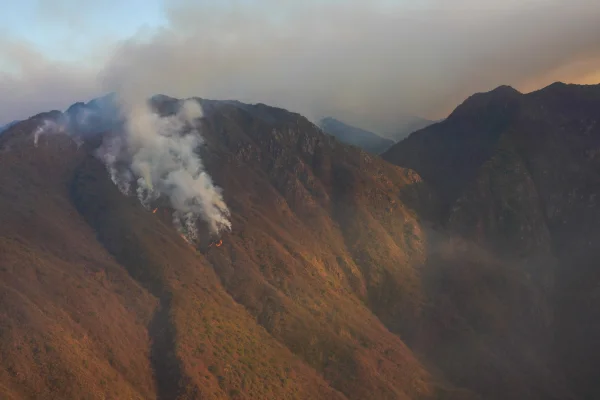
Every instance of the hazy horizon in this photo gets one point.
(370, 64)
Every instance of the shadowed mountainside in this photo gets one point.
(519, 174)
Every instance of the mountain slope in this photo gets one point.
(103, 308)
(366, 140)
(102, 298)
(518, 173)
(72, 320)
(448, 153)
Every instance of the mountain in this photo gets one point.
(101, 298)
(407, 126)
(366, 140)
(448, 154)
(518, 174)
(465, 271)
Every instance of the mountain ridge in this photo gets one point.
(366, 140)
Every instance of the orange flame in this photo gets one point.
(216, 244)
(154, 211)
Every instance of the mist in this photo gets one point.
(366, 63)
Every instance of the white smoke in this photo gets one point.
(155, 154)
(159, 155)
(47, 127)
(110, 153)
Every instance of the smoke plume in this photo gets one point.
(48, 127)
(154, 155)
(158, 156)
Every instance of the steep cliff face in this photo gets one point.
(525, 187)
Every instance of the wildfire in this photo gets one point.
(184, 238)
(216, 244)
(154, 211)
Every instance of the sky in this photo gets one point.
(368, 62)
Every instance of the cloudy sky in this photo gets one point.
(369, 62)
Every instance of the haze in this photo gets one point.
(369, 63)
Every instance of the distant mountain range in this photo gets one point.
(354, 136)
(370, 141)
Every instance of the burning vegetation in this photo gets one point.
(216, 243)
